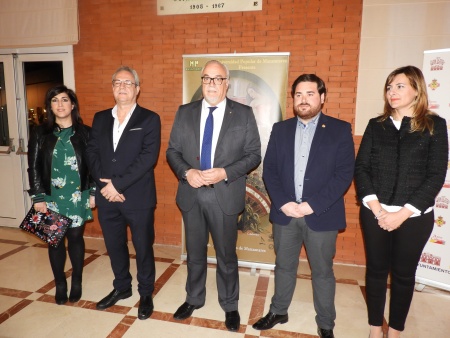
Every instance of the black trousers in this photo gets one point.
(113, 221)
(397, 252)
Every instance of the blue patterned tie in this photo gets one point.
(205, 158)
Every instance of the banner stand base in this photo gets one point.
(422, 282)
(419, 287)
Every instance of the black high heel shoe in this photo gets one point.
(75, 293)
(61, 293)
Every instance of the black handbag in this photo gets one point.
(51, 227)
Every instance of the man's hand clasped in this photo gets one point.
(296, 210)
(199, 178)
(110, 193)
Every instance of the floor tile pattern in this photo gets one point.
(27, 307)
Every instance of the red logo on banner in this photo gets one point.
(437, 240)
(437, 64)
(430, 259)
(442, 202)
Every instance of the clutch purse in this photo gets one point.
(50, 227)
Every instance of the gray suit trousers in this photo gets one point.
(206, 217)
(320, 248)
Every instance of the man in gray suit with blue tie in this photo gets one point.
(213, 145)
(307, 169)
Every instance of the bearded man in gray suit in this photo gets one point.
(213, 145)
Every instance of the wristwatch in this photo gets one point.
(184, 177)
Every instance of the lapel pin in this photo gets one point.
(323, 126)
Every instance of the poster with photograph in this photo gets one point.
(260, 81)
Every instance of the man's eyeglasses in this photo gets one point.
(126, 83)
(215, 80)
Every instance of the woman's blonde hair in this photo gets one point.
(420, 120)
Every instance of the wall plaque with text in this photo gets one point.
(170, 7)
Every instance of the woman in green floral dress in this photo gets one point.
(59, 180)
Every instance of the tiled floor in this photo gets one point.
(27, 307)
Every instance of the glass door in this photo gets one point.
(11, 166)
(25, 77)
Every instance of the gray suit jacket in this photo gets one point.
(238, 151)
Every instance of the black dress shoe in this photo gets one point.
(75, 293)
(324, 333)
(113, 298)
(61, 293)
(270, 320)
(185, 311)
(145, 307)
(232, 320)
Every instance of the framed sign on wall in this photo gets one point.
(171, 7)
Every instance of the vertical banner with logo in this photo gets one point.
(258, 80)
(434, 265)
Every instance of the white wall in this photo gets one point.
(395, 33)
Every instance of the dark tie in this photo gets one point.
(205, 159)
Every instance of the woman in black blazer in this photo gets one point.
(400, 168)
(59, 180)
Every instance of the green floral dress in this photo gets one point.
(66, 197)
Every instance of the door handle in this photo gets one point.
(20, 149)
(10, 148)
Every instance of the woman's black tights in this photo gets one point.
(57, 256)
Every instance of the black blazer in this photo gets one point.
(40, 154)
(131, 166)
(401, 167)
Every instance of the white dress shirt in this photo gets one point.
(119, 128)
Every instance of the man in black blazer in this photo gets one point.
(307, 169)
(122, 151)
(211, 189)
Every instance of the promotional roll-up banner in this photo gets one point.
(434, 265)
(258, 80)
